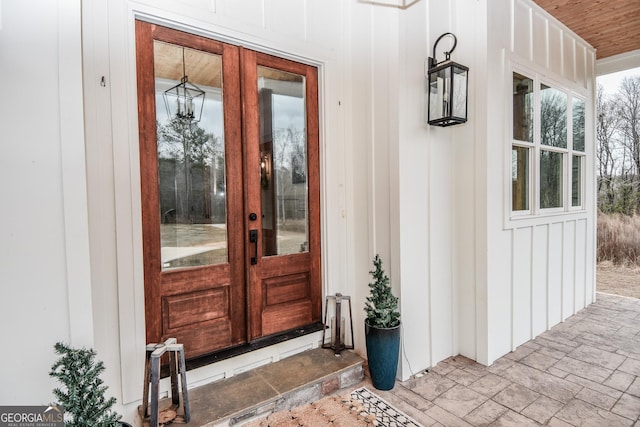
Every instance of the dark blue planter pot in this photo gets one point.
(383, 348)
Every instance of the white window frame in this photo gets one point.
(535, 148)
(582, 154)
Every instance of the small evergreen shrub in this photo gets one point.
(381, 305)
(83, 393)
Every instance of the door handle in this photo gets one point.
(253, 238)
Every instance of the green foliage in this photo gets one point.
(619, 195)
(83, 392)
(381, 306)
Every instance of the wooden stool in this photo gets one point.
(152, 375)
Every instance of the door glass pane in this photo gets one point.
(578, 124)
(191, 163)
(519, 178)
(283, 162)
(522, 108)
(550, 179)
(553, 117)
(576, 181)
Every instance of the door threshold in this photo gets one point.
(199, 362)
(300, 379)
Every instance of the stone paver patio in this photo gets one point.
(583, 372)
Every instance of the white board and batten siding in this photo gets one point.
(542, 268)
(309, 31)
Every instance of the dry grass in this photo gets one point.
(618, 279)
(619, 239)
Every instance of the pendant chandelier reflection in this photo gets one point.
(185, 100)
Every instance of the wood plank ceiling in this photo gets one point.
(611, 26)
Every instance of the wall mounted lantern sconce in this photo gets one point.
(184, 100)
(448, 88)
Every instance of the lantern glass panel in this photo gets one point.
(439, 84)
(448, 94)
(459, 92)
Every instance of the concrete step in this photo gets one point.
(283, 385)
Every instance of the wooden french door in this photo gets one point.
(230, 191)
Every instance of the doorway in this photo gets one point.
(229, 160)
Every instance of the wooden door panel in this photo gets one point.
(204, 339)
(284, 290)
(202, 306)
(284, 317)
(186, 309)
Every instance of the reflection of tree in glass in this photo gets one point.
(553, 117)
(551, 176)
(522, 108)
(290, 163)
(578, 125)
(298, 164)
(187, 156)
(553, 133)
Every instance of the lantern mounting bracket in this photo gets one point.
(447, 54)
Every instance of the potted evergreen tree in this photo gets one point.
(382, 329)
(83, 393)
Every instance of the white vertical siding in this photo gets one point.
(521, 29)
(581, 265)
(319, 14)
(278, 14)
(521, 284)
(468, 157)
(541, 40)
(550, 258)
(539, 279)
(250, 12)
(440, 248)
(568, 270)
(568, 56)
(581, 65)
(550, 270)
(43, 222)
(440, 193)
(554, 277)
(555, 49)
(410, 245)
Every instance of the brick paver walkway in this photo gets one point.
(583, 372)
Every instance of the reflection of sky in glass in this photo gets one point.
(290, 112)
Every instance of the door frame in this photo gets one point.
(314, 216)
(259, 276)
(199, 282)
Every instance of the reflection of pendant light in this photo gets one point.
(185, 100)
